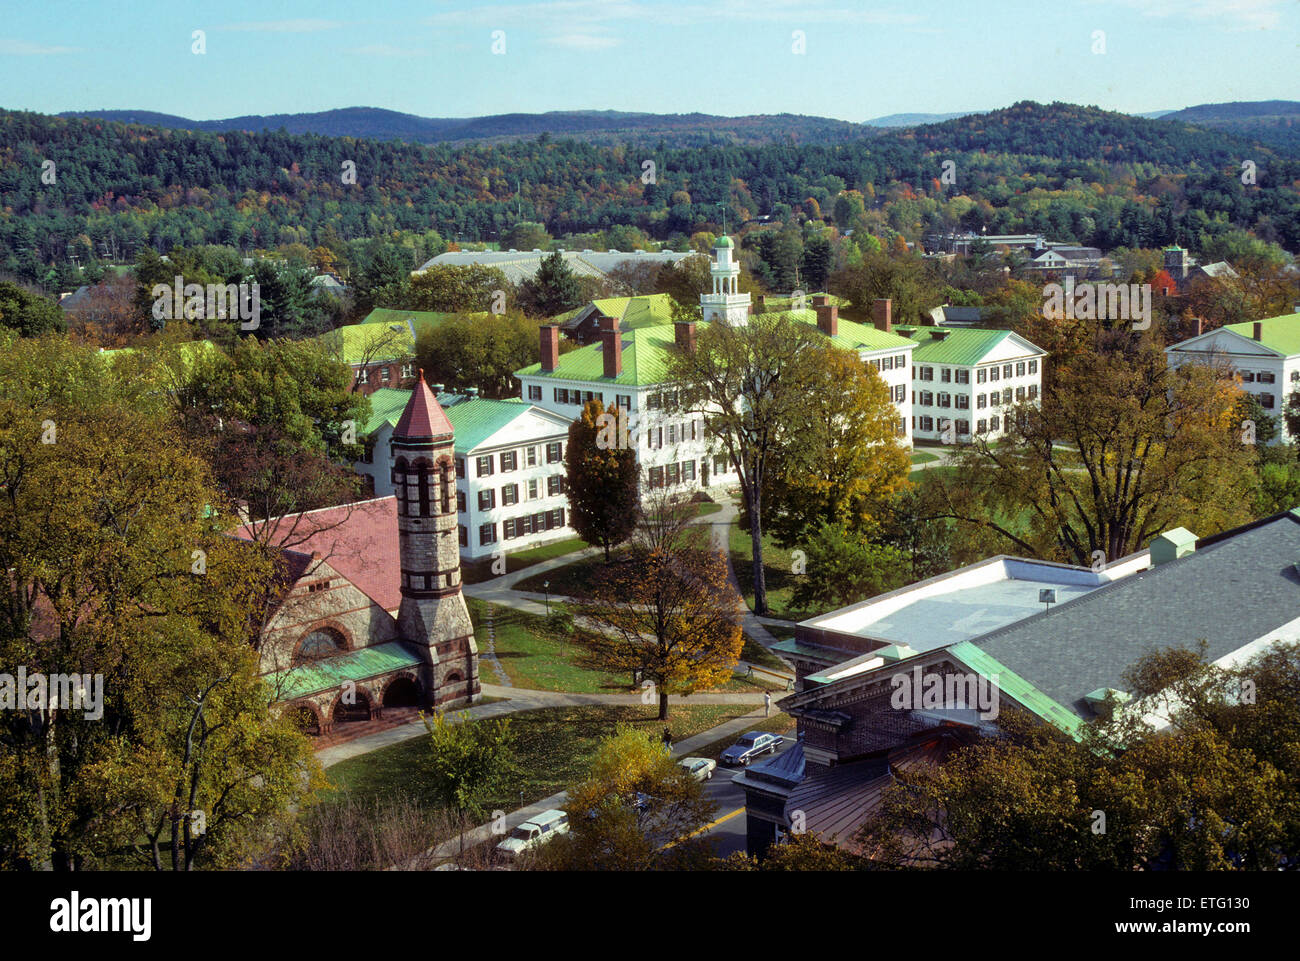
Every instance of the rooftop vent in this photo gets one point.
(1172, 545)
(471, 391)
(1099, 699)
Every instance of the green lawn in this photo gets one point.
(475, 572)
(535, 656)
(756, 653)
(553, 747)
(778, 563)
(921, 457)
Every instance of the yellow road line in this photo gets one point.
(708, 827)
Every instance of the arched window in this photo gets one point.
(323, 642)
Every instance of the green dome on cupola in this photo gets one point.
(723, 241)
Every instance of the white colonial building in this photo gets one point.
(1264, 355)
(510, 477)
(966, 381)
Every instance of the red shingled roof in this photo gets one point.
(424, 416)
(357, 540)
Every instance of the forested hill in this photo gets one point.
(1075, 173)
(1274, 122)
(595, 126)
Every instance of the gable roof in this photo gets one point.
(645, 360)
(1280, 334)
(371, 342)
(961, 346)
(473, 419)
(358, 540)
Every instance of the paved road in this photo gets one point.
(728, 828)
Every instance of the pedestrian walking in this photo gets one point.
(767, 703)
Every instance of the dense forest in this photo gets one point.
(81, 192)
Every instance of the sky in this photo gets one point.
(848, 59)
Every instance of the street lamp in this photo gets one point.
(546, 586)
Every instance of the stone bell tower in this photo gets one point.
(433, 617)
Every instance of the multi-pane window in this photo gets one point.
(672, 433)
(1020, 393)
(463, 533)
(1033, 391)
(408, 370)
(927, 373)
(487, 499)
(533, 489)
(554, 453)
(1266, 377)
(1033, 366)
(386, 375)
(993, 373)
(927, 423)
(555, 484)
(674, 474)
(509, 461)
(1006, 396)
(963, 427)
(487, 534)
(688, 470)
(945, 375)
(981, 375)
(900, 361)
(963, 402)
(460, 467)
(719, 464)
(530, 456)
(945, 400)
(483, 465)
(963, 376)
(1006, 371)
(510, 494)
(995, 422)
(1020, 368)
(1266, 401)
(982, 426)
(534, 392)
(460, 501)
(898, 393)
(655, 401)
(656, 477)
(625, 401)
(981, 401)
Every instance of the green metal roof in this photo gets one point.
(1280, 334)
(386, 406)
(640, 311)
(422, 320)
(724, 241)
(331, 672)
(961, 346)
(1017, 688)
(371, 343)
(474, 420)
(852, 335)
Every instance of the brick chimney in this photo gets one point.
(821, 300)
(1258, 333)
(828, 319)
(684, 334)
(881, 314)
(611, 345)
(550, 347)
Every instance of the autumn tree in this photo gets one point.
(668, 612)
(460, 289)
(633, 811)
(482, 352)
(1122, 448)
(604, 480)
(469, 763)
(750, 385)
(118, 569)
(845, 458)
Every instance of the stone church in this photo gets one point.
(371, 614)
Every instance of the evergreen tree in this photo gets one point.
(553, 291)
(603, 478)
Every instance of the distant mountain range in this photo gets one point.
(1273, 122)
(599, 126)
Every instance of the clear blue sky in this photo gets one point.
(434, 58)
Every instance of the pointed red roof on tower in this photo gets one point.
(423, 416)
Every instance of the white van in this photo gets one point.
(534, 832)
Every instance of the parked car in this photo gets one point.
(751, 745)
(700, 768)
(533, 833)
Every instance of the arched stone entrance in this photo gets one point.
(358, 710)
(402, 692)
